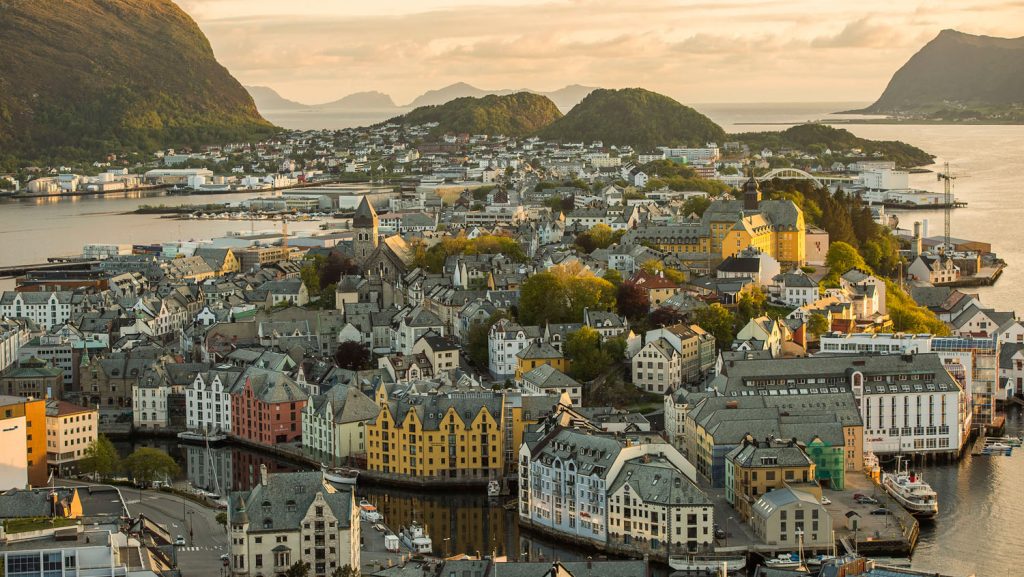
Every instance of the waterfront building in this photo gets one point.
(23, 437)
(789, 517)
(70, 430)
(266, 407)
(575, 482)
(13, 335)
(972, 361)
(289, 518)
(45, 309)
(756, 467)
(208, 401)
(32, 377)
(334, 423)
(109, 381)
(437, 437)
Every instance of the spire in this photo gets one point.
(365, 216)
(84, 362)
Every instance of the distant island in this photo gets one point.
(957, 78)
(519, 114)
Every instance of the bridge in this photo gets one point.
(789, 174)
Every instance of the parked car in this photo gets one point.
(826, 501)
(719, 533)
(225, 559)
(179, 540)
(867, 501)
(858, 496)
(881, 511)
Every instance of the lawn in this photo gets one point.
(36, 523)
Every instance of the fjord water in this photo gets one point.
(980, 497)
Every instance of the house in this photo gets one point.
(797, 289)
(606, 323)
(789, 517)
(33, 377)
(405, 368)
(539, 353)
(45, 309)
(443, 353)
(547, 380)
(756, 467)
(935, 270)
(411, 323)
(762, 333)
(657, 367)
(293, 517)
(750, 263)
(334, 423)
(221, 260)
(658, 288)
(208, 401)
(266, 407)
(980, 322)
(694, 347)
(504, 341)
(287, 292)
(70, 430)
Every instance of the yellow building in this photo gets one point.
(437, 437)
(33, 411)
(757, 467)
(776, 227)
(70, 430)
(537, 354)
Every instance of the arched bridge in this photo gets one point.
(789, 174)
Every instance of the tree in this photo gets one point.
(633, 301)
(146, 465)
(560, 294)
(817, 325)
(751, 304)
(476, 340)
(100, 459)
(588, 358)
(352, 355)
(718, 321)
(310, 274)
(298, 569)
(336, 266)
(345, 571)
(222, 518)
(665, 316)
(599, 236)
(696, 205)
(841, 257)
(329, 296)
(613, 276)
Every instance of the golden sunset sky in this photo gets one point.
(693, 50)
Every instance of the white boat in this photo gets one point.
(910, 491)
(493, 489)
(415, 538)
(341, 475)
(815, 563)
(785, 561)
(198, 437)
(368, 512)
(708, 564)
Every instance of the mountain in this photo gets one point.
(957, 71)
(819, 137)
(80, 77)
(267, 98)
(516, 114)
(564, 98)
(361, 100)
(634, 117)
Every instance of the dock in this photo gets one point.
(53, 264)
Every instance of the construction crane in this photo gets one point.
(947, 177)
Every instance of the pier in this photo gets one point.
(53, 264)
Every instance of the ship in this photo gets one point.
(709, 564)
(910, 491)
(368, 512)
(340, 475)
(415, 538)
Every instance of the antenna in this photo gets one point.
(947, 177)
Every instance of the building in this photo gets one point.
(672, 356)
(208, 401)
(437, 437)
(443, 353)
(77, 550)
(789, 517)
(45, 309)
(266, 407)
(13, 335)
(756, 467)
(290, 518)
(33, 377)
(504, 341)
(70, 430)
(334, 423)
(23, 437)
(537, 354)
(547, 380)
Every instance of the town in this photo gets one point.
(659, 356)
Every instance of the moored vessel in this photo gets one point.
(910, 491)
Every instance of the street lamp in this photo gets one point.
(446, 552)
(727, 523)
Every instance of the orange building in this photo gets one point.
(34, 412)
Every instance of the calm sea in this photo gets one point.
(980, 497)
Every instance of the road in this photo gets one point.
(205, 539)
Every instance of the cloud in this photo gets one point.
(862, 33)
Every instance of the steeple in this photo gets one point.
(751, 192)
(365, 225)
(365, 216)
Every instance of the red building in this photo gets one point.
(266, 407)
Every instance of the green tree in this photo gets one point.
(100, 459)
(613, 276)
(696, 205)
(751, 304)
(476, 340)
(310, 274)
(817, 325)
(599, 236)
(588, 359)
(345, 571)
(560, 294)
(841, 257)
(298, 569)
(718, 321)
(222, 518)
(146, 465)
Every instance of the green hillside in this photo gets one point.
(634, 117)
(516, 114)
(86, 77)
(816, 138)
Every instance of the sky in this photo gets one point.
(696, 51)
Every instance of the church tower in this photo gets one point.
(365, 224)
(751, 194)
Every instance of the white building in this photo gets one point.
(289, 518)
(13, 335)
(504, 341)
(46, 309)
(208, 402)
(334, 423)
(788, 517)
(657, 367)
(149, 405)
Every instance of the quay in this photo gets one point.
(53, 264)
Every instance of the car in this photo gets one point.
(858, 496)
(719, 533)
(881, 511)
(826, 501)
(867, 501)
(179, 540)
(225, 559)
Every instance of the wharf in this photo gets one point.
(892, 535)
(986, 276)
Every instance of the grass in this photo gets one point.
(26, 524)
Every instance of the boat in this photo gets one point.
(815, 563)
(415, 537)
(197, 437)
(493, 489)
(340, 475)
(708, 564)
(785, 561)
(997, 449)
(910, 491)
(1010, 441)
(368, 512)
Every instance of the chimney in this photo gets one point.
(916, 242)
(263, 474)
